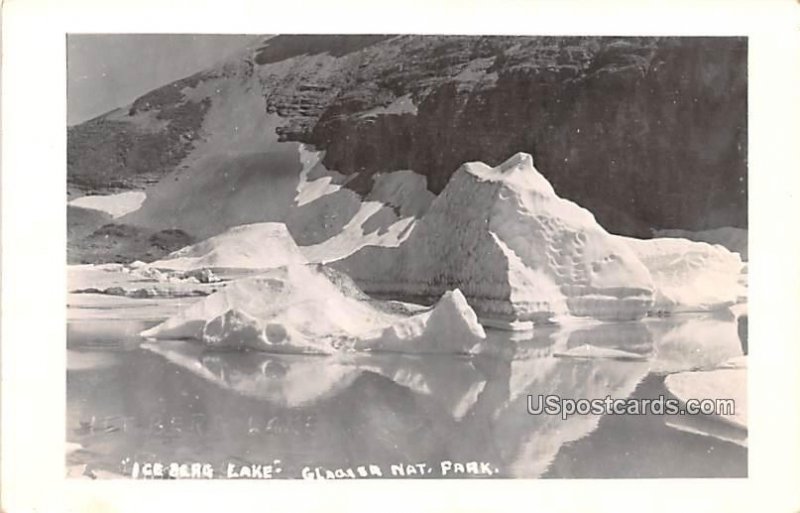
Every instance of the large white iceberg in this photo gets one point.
(517, 251)
(306, 309)
(249, 246)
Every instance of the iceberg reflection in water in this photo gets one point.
(176, 401)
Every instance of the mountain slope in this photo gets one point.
(647, 133)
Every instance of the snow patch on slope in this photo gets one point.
(385, 218)
(315, 180)
(288, 184)
(402, 105)
(115, 205)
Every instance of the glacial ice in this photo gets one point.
(451, 326)
(250, 246)
(306, 309)
(723, 383)
(691, 276)
(590, 351)
(734, 239)
(517, 251)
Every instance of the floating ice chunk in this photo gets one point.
(718, 384)
(305, 309)
(590, 351)
(451, 326)
(250, 246)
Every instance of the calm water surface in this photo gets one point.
(173, 401)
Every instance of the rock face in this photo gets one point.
(250, 246)
(81, 222)
(517, 251)
(304, 309)
(603, 115)
(119, 242)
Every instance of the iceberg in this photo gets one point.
(518, 252)
(726, 384)
(691, 276)
(249, 246)
(590, 351)
(451, 326)
(734, 239)
(310, 309)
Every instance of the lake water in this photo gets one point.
(130, 403)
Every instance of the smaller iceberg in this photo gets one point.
(311, 309)
(451, 326)
(249, 246)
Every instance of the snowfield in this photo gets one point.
(287, 185)
(115, 205)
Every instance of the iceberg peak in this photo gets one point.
(517, 172)
(520, 159)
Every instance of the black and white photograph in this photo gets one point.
(366, 256)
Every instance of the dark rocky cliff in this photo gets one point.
(644, 132)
